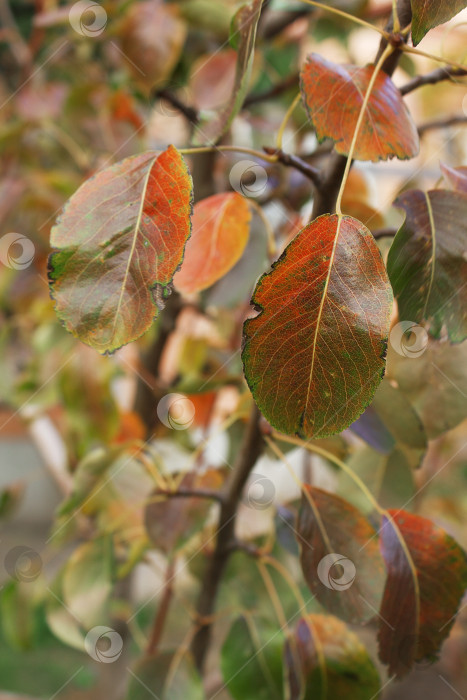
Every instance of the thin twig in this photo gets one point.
(274, 91)
(250, 450)
(159, 621)
(293, 161)
(442, 123)
(432, 78)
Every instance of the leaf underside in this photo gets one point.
(314, 356)
(120, 236)
(333, 95)
(427, 263)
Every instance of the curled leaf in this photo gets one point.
(427, 263)
(333, 95)
(427, 577)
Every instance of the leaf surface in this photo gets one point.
(251, 662)
(333, 95)
(242, 38)
(220, 228)
(165, 676)
(435, 383)
(427, 576)
(456, 177)
(427, 262)
(339, 555)
(120, 236)
(324, 660)
(427, 14)
(315, 354)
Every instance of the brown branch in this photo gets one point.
(189, 112)
(250, 450)
(191, 493)
(384, 233)
(432, 78)
(159, 620)
(274, 91)
(292, 161)
(442, 123)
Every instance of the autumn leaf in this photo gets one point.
(427, 14)
(150, 61)
(242, 39)
(427, 577)
(120, 238)
(339, 555)
(456, 177)
(314, 355)
(333, 95)
(427, 264)
(324, 660)
(220, 228)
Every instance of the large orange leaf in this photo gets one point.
(427, 14)
(120, 238)
(427, 576)
(221, 224)
(315, 354)
(339, 555)
(333, 95)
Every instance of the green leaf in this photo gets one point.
(314, 356)
(435, 383)
(251, 661)
(324, 660)
(18, 614)
(121, 239)
(87, 582)
(427, 14)
(165, 676)
(242, 38)
(399, 416)
(339, 555)
(427, 577)
(427, 264)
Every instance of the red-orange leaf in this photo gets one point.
(427, 576)
(339, 555)
(315, 354)
(221, 225)
(120, 236)
(333, 95)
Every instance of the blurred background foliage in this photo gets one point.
(76, 488)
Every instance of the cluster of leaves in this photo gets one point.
(314, 356)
